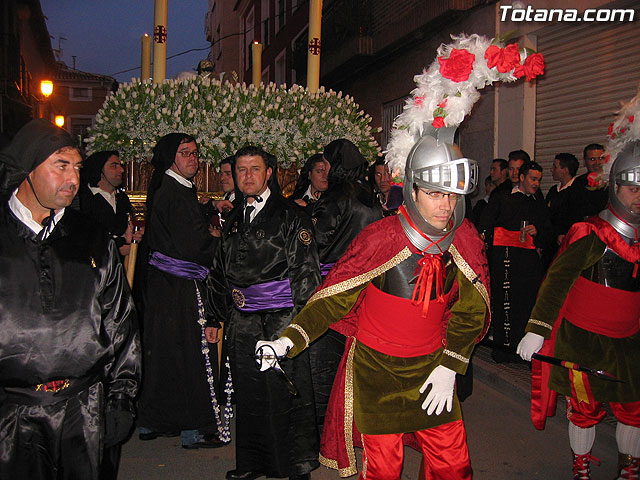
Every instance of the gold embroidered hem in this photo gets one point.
(348, 407)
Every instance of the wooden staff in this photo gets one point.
(131, 263)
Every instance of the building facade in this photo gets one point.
(26, 58)
(78, 96)
(371, 49)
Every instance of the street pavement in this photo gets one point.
(503, 443)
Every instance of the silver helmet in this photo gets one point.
(435, 162)
(625, 170)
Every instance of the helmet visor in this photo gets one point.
(457, 176)
(630, 177)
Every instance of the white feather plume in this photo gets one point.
(453, 100)
(624, 129)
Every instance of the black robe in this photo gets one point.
(275, 431)
(175, 393)
(66, 313)
(587, 201)
(97, 208)
(516, 273)
(339, 216)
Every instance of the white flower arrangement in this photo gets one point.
(292, 124)
(446, 92)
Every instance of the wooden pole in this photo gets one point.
(160, 41)
(131, 263)
(145, 57)
(256, 61)
(313, 55)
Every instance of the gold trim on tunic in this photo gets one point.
(301, 331)
(468, 272)
(455, 355)
(362, 278)
(541, 323)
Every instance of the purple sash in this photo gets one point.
(179, 268)
(263, 296)
(324, 268)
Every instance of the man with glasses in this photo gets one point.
(178, 378)
(411, 295)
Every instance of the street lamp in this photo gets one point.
(59, 120)
(46, 88)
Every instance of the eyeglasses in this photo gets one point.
(593, 159)
(187, 154)
(441, 195)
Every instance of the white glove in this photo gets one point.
(531, 343)
(442, 380)
(265, 352)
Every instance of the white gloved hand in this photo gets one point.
(442, 380)
(531, 343)
(265, 350)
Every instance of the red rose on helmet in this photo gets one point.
(458, 66)
(438, 122)
(504, 59)
(531, 68)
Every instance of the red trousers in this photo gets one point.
(444, 448)
(586, 415)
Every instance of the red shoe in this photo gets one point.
(628, 467)
(581, 469)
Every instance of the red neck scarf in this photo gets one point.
(431, 268)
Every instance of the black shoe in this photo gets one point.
(306, 476)
(240, 475)
(208, 441)
(154, 435)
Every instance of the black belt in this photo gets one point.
(47, 393)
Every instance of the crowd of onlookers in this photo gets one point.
(213, 277)
(514, 203)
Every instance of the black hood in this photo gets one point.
(164, 154)
(31, 146)
(93, 165)
(347, 163)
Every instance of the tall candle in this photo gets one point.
(145, 57)
(256, 56)
(313, 54)
(160, 41)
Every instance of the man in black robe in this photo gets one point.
(102, 199)
(345, 208)
(589, 198)
(559, 199)
(266, 270)
(516, 268)
(70, 361)
(178, 393)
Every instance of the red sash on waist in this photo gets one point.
(508, 238)
(603, 310)
(394, 326)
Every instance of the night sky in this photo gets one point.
(104, 35)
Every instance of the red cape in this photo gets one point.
(543, 399)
